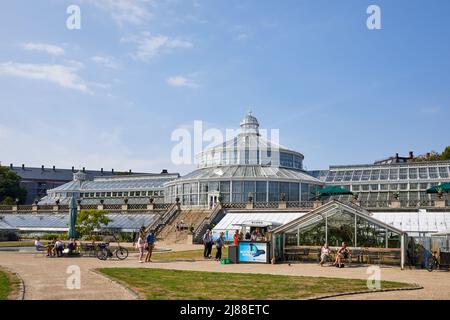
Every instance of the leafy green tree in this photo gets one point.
(10, 187)
(446, 154)
(434, 156)
(8, 201)
(90, 220)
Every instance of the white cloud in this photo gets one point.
(125, 11)
(44, 47)
(69, 148)
(149, 46)
(106, 61)
(64, 76)
(182, 81)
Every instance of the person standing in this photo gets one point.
(211, 242)
(206, 243)
(150, 246)
(219, 244)
(140, 244)
(236, 237)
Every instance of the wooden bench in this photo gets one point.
(296, 254)
(374, 257)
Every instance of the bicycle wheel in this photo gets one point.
(121, 253)
(431, 264)
(102, 254)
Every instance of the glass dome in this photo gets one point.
(246, 166)
(250, 148)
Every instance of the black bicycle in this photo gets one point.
(433, 262)
(104, 252)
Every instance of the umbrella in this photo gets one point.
(333, 190)
(444, 187)
(73, 218)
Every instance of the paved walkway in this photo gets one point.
(46, 278)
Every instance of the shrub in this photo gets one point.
(54, 236)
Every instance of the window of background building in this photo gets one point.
(403, 174)
(384, 174)
(365, 175)
(393, 186)
(357, 175)
(443, 173)
(413, 173)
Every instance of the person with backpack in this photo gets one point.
(220, 242)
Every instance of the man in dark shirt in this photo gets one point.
(150, 246)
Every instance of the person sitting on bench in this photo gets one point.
(72, 247)
(41, 247)
(325, 252)
(59, 247)
(342, 254)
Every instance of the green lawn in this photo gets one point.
(27, 243)
(185, 255)
(161, 284)
(5, 285)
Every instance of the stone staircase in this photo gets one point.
(190, 217)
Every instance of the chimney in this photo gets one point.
(84, 169)
(73, 169)
(54, 168)
(42, 167)
(411, 154)
(112, 170)
(23, 166)
(129, 171)
(101, 170)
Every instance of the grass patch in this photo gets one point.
(5, 285)
(16, 243)
(163, 284)
(185, 255)
(9, 285)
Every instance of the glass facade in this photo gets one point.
(339, 225)
(238, 191)
(380, 183)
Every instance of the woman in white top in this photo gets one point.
(324, 254)
(140, 246)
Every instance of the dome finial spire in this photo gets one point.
(249, 124)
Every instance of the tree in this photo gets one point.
(90, 220)
(10, 187)
(446, 154)
(434, 156)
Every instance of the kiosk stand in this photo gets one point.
(253, 252)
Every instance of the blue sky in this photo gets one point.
(110, 95)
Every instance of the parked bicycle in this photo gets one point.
(104, 252)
